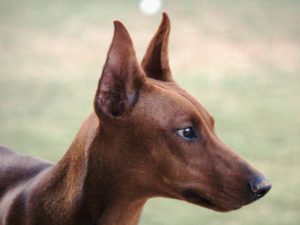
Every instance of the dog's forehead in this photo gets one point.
(169, 96)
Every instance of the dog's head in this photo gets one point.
(160, 137)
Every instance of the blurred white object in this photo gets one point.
(150, 7)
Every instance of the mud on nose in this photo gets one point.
(259, 186)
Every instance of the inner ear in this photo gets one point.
(156, 62)
(121, 78)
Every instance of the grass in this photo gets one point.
(240, 58)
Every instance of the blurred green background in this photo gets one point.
(241, 59)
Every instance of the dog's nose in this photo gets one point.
(260, 186)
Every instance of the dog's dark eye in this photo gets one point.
(187, 133)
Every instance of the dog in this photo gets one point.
(146, 137)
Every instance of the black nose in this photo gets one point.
(260, 186)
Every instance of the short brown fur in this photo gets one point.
(147, 137)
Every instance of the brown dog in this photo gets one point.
(147, 137)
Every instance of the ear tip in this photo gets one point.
(120, 29)
(118, 24)
(165, 17)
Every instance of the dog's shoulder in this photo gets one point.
(15, 167)
(7, 154)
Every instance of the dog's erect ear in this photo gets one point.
(156, 62)
(121, 77)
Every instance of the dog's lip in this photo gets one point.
(195, 197)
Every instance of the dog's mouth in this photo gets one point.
(194, 197)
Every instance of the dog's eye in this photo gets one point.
(187, 133)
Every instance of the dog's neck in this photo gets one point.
(88, 183)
